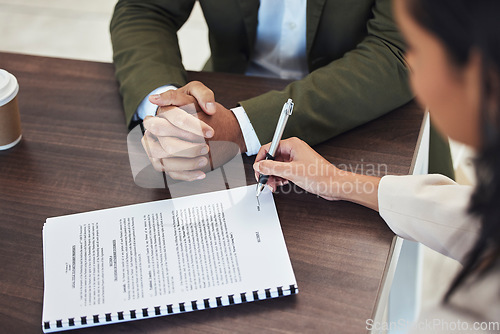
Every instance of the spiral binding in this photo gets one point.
(181, 307)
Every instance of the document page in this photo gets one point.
(163, 257)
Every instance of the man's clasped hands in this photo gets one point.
(178, 140)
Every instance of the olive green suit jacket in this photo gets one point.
(354, 51)
(354, 54)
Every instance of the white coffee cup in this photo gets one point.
(10, 120)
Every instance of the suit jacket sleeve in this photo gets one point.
(144, 37)
(430, 209)
(365, 83)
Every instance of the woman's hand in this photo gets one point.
(297, 162)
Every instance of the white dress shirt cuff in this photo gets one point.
(251, 140)
(147, 108)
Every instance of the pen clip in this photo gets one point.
(280, 127)
(288, 107)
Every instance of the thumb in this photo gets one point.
(202, 94)
(275, 168)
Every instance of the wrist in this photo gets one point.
(226, 126)
(360, 189)
(252, 142)
(239, 139)
(237, 134)
(146, 108)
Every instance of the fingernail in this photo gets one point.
(155, 96)
(256, 166)
(209, 133)
(201, 177)
(204, 150)
(202, 162)
(270, 188)
(210, 106)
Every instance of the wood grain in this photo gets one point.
(73, 158)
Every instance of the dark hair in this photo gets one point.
(464, 26)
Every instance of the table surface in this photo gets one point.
(73, 158)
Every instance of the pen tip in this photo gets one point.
(260, 187)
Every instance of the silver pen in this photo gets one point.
(280, 127)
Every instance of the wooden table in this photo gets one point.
(73, 158)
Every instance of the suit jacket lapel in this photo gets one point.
(250, 11)
(314, 10)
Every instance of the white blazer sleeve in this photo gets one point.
(430, 209)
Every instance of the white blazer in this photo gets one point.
(432, 209)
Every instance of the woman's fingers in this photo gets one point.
(285, 170)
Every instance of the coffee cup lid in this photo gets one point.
(8, 87)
